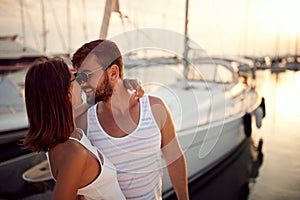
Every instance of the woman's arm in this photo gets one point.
(134, 85)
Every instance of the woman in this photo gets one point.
(77, 167)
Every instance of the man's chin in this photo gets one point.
(90, 100)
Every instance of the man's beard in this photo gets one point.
(105, 91)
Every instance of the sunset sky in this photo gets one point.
(253, 27)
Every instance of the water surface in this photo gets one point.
(273, 173)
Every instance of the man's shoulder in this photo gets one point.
(159, 110)
(155, 100)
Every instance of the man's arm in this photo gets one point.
(171, 149)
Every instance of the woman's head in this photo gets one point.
(49, 104)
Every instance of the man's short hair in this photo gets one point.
(106, 52)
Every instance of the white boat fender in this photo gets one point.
(247, 124)
(38, 173)
(263, 106)
(259, 113)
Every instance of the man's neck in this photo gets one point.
(121, 99)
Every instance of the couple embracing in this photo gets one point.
(110, 147)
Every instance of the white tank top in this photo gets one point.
(137, 156)
(106, 185)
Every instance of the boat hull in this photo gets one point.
(205, 147)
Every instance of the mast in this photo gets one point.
(297, 45)
(23, 25)
(44, 33)
(69, 25)
(84, 27)
(110, 6)
(186, 39)
(288, 44)
(277, 42)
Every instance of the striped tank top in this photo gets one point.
(136, 156)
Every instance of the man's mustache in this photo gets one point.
(87, 88)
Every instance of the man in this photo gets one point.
(131, 132)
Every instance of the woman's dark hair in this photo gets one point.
(48, 104)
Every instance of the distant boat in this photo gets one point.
(278, 64)
(14, 56)
(293, 62)
(13, 118)
(261, 63)
(14, 59)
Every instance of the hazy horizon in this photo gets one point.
(236, 27)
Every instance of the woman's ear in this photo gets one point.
(76, 94)
(70, 95)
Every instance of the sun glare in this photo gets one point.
(277, 15)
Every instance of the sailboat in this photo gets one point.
(14, 60)
(213, 107)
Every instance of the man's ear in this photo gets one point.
(114, 72)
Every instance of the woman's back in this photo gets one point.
(96, 175)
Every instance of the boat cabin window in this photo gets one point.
(11, 101)
(210, 72)
(201, 72)
(156, 75)
(223, 75)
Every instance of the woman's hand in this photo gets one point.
(134, 85)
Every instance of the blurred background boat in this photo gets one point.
(293, 62)
(14, 61)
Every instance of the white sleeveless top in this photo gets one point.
(105, 186)
(137, 156)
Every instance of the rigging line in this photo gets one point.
(23, 24)
(122, 16)
(69, 25)
(277, 40)
(297, 44)
(34, 32)
(186, 40)
(57, 26)
(142, 32)
(288, 43)
(219, 28)
(244, 34)
(84, 20)
(44, 32)
(246, 27)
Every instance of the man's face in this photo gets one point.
(94, 81)
(104, 89)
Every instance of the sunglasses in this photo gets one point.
(84, 76)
